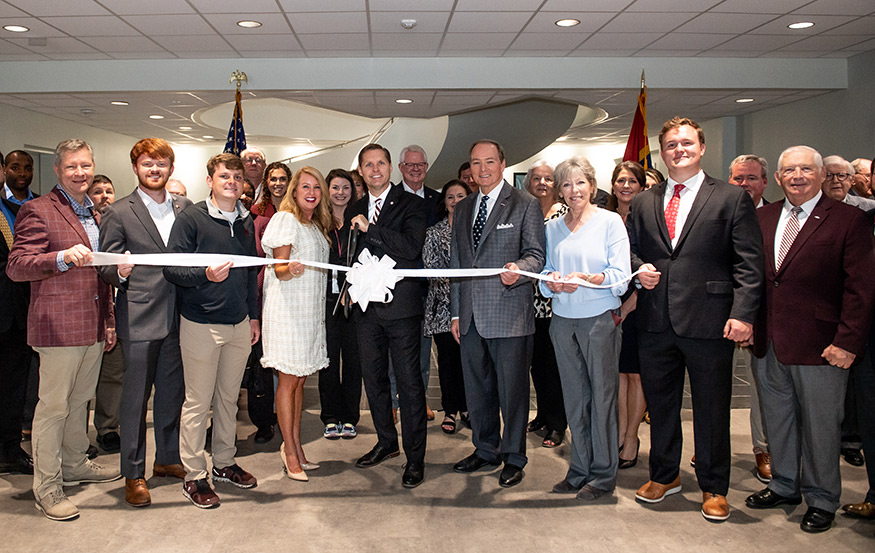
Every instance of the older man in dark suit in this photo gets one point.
(813, 325)
(493, 317)
(391, 222)
(700, 244)
(146, 319)
(69, 320)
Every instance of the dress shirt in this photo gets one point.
(372, 202)
(807, 207)
(7, 193)
(687, 197)
(162, 214)
(85, 213)
(420, 192)
(490, 203)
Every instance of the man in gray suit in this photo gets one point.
(493, 317)
(147, 322)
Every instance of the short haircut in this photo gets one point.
(745, 158)
(374, 146)
(676, 122)
(70, 146)
(230, 161)
(100, 179)
(442, 204)
(857, 164)
(566, 169)
(488, 141)
(818, 159)
(462, 168)
(527, 180)
(839, 160)
(156, 148)
(413, 148)
(13, 153)
(254, 149)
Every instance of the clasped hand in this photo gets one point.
(560, 284)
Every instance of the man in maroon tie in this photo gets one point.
(700, 245)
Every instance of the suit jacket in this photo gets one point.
(429, 204)
(400, 234)
(14, 296)
(145, 306)
(716, 271)
(823, 293)
(514, 233)
(70, 308)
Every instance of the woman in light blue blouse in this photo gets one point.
(590, 244)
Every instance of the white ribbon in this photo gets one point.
(371, 279)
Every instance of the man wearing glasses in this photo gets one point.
(840, 179)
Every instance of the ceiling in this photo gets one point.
(108, 30)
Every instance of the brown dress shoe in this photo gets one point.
(175, 471)
(136, 492)
(714, 506)
(860, 510)
(654, 492)
(764, 465)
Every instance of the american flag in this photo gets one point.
(236, 142)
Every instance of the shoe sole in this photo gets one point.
(198, 505)
(411, 486)
(510, 484)
(773, 505)
(762, 478)
(348, 436)
(487, 466)
(237, 484)
(51, 517)
(90, 481)
(715, 518)
(390, 456)
(659, 499)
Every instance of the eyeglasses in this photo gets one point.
(838, 176)
(414, 165)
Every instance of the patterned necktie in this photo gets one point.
(790, 232)
(671, 212)
(5, 230)
(377, 203)
(480, 222)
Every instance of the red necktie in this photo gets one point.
(790, 232)
(377, 203)
(671, 212)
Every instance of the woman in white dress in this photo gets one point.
(293, 317)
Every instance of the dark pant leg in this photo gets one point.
(662, 378)
(513, 357)
(351, 373)
(709, 364)
(450, 374)
(405, 337)
(481, 391)
(330, 391)
(31, 396)
(850, 423)
(169, 396)
(109, 392)
(863, 376)
(260, 395)
(545, 377)
(136, 389)
(15, 361)
(374, 355)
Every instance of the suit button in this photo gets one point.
(777, 283)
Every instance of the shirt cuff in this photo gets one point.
(62, 266)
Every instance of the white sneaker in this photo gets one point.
(56, 506)
(91, 472)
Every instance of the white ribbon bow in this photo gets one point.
(372, 280)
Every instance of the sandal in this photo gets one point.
(449, 424)
(553, 439)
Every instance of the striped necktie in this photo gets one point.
(377, 203)
(790, 232)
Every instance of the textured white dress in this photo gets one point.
(293, 316)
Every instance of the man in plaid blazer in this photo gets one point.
(70, 320)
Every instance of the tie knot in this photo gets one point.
(796, 211)
(677, 190)
(485, 198)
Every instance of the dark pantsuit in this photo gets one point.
(496, 375)
(14, 367)
(545, 377)
(340, 383)
(377, 338)
(449, 357)
(802, 410)
(155, 362)
(851, 424)
(664, 356)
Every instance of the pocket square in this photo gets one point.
(504, 225)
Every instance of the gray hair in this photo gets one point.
(818, 159)
(565, 169)
(745, 158)
(255, 149)
(857, 165)
(413, 148)
(839, 160)
(70, 146)
(528, 178)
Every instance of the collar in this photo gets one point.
(807, 207)
(692, 184)
(383, 196)
(420, 192)
(494, 194)
(147, 199)
(82, 210)
(216, 213)
(7, 193)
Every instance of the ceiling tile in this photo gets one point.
(545, 22)
(359, 53)
(583, 52)
(469, 53)
(56, 45)
(192, 43)
(591, 5)
(274, 42)
(322, 6)
(548, 41)
(827, 42)
(36, 26)
(514, 53)
(8, 11)
(506, 5)
(692, 41)
(123, 44)
(404, 6)
(66, 7)
(226, 24)
(863, 46)
(101, 25)
(633, 22)
(329, 22)
(762, 43)
(732, 23)
(336, 41)
(821, 23)
(488, 22)
(140, 55)
(65, 55)
(729, 54)
(862, 26)
(849, 7)
(10, 48)
(252, 7)
(406, 42)
(758, 6)
(426, 22)
(139, 7)
(619, 41)
(477, 41)
(672, 5)
(170, 24)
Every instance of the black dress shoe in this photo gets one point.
(92, 451)
(535, 425)
(852, 456)
(816, 520)
(473, 462)
(766, 499)
(110, 442)
(21, 463)
(510, 476)
(264, 434)
(376, 456)
(414, 474)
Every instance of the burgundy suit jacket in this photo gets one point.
(71, 308)
(823, 293)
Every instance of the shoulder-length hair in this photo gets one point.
(321, 215)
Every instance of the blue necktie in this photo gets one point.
(480, 222)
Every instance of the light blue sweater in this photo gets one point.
(601, 245)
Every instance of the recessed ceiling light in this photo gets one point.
(403, 101)
(16, 28)
(87, 111)
(567, 22)
(744, 100)
(800, 25)
(119, 103)
(185, 128)
(156, 117)
(249, 24)
(208, 136)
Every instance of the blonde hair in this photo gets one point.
(322, 217)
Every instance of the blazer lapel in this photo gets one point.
(500, 206)
(142, 213)
(769, 224)
(66, 211)
(705, 191)
(817, 217)
(659, 212)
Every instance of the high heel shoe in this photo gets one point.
(629, 463)
(299, 476)
(310, 466)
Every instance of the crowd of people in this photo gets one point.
(660, 278)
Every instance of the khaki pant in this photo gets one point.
(68, 378)
(213, 360)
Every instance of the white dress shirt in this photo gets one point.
(807, 207)
(372, 202)
(490, 203)
(162, 214)
(687, 197)
(420, 192)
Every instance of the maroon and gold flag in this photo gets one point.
(638, 146)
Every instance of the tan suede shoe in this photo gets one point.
(714, 507)
(654, 492)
